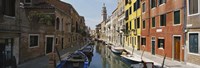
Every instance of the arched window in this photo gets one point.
(57, 23)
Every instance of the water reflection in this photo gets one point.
(104, 58)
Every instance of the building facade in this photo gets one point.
(133, 24)
(193, 29)
(33, 28)
(162, 28)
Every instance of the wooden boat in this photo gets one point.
(75, 60)
(117, 49)
(87, 50)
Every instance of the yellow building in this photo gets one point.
(133, 24)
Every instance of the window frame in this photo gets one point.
(175, 17)
(29, 40)
(164, 20)
(27, 2)
(138, 23)
(143, 24)
(142, 41)
(160, 4)
(153, 18)
(159, 46)
(153, 6)
(130, 10)
(143, 7)
(188, 12)
(198, 43)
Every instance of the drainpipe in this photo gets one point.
(185, 30)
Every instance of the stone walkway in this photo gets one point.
(158, 60)
(42, 62)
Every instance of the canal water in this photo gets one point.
(104, 58)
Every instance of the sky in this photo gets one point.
(91, 9)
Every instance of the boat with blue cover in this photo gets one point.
(75, 60)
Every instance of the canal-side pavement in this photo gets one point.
(158, 60)
(42, 62)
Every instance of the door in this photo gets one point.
(177, 45)
(153, 45)
(49, 44)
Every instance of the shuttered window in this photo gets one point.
(163, 20)
(177, 17)
(144, 24)
(138, 22)
(143, 7)
(153, 22)
(193, 43)
(193, 6)
(153, 3)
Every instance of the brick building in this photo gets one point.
(33, 28)
(162, 28)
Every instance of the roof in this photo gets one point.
(66, 7)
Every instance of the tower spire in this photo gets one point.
(104, 12)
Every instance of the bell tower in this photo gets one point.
(104, 12)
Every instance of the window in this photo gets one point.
(177, 17)
(153, 3)
(130, 25)
(153, 22)
(193, 6)
(143, 7)
(126, 26)
(193, 42)
(163, 20)
(136, 5)
(8, 7)
(27, 1)
(161, 1)
(144, 24)
(56, 40)
(126, 16)
(135, 23)
(138, 22)
(57, 24)
(33, 40)
(161, 43)
(143, 41)
(130, 10)
(126, 2)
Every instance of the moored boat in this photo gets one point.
(117, 49)
(87, 50)
(75, 60)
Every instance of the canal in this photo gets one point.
(104, 58)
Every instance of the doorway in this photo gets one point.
(177, 47)
(49, 44)
(153, 41)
